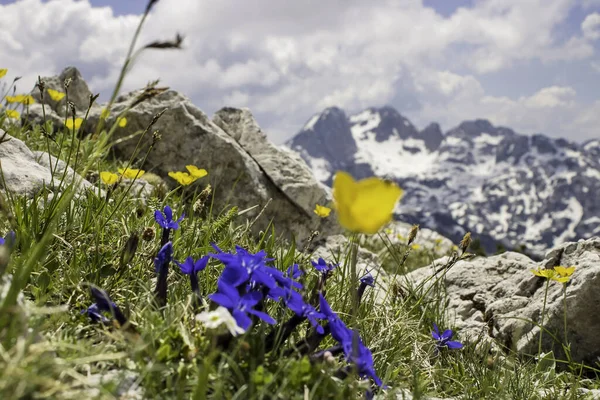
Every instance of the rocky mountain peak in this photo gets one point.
(503, 186)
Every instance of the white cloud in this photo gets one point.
(591, 26)
(287, 60)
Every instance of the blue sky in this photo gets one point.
(533, 65)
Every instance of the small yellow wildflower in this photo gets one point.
(549, 274)
(105, 113)
(415, 246)
(388, 231)
(131, 173)
(21, 98)
(12, 114)
(565, 272)
(108, 177)
(183, 178)
(56, 95)
(69, 123)
(196, 172)
(322, 211)
(3, 72)
(400, 237)
(122, 122)
(364, 206)
(454, 247)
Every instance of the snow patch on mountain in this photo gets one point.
(503, 186)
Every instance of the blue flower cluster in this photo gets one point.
(245, 287)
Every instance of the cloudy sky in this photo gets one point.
(532, 65)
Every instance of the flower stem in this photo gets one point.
(542, 317)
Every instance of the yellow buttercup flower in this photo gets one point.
(364, 206)
(322, 211)
(565, 272)
(415, 246)
(122, 122)
(12, 114)
(105, 113)
(131, 173)
(183, 178)
(56, 95)
(69, 123)
(549, 274)
(196, 172)
(108, 177)
(3, 72)
(24, 99)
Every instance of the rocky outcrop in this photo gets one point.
(243, 168)
(26, 173)
(500, 298)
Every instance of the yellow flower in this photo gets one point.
(3, 72)
(565, 271)
(12, 114)
(108, 177)
(122, 122)
(400, 237)
(131, 173)
(415, 246)
(56, 95)
(196, 172)
(105, 113)
(364, 206)
(69, 123)
(454, 247)
(21, 98)
(183, 178)
(322, 211)
(549, 274)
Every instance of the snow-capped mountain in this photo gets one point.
(502, 186)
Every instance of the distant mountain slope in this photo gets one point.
(503, 186)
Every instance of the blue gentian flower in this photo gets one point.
(161, 266)
(239, 306)
(165, 220)
(323, 267)
(95, 314)
(368, 280)
(243, 267)
(294, 272)
(191, 268)
(164, 257)
(339, 331)
(302, 309)
(104, 303)
(354, 349)
(443, 339)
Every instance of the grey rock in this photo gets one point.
(78, 92)
(498, 297)
(26, 173)
(286, 170)
(238, 178)
(23, 175)
(58, 168)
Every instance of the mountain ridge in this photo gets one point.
(503, 186)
